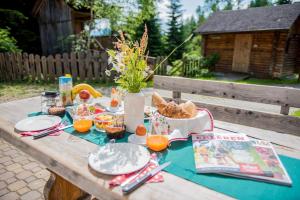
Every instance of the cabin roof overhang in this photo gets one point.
(273, 18)
(246, 31)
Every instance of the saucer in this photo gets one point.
(135, 139)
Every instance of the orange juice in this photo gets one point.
(83, 125)
(157, 142)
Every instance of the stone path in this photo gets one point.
(21, 177)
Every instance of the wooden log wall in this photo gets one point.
(222, 44)
(55, 25)
(268, 56)
(290, 58)
(261, 54)
(82, 66)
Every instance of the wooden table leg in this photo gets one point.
(57, 188)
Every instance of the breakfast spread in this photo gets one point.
(173, 110)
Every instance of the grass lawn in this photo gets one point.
(257, 81)
(296, 113)
(269, 81)
(21, 90)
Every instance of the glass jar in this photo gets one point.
(48, 99)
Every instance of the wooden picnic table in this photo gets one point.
(66, 158)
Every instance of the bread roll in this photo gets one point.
(173, 110)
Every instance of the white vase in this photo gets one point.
(134, 110)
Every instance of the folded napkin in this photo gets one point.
(31, 133)
(118, 180)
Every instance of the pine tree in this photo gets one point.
(147, 16)
(155, 43)
(281, 2)
(175, 34)
(259, 3)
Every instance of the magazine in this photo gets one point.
(237, 155)
(267, 152)
(227, 153)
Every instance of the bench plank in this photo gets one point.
(248, 92)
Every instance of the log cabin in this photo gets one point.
(57, 20)
(263, 42)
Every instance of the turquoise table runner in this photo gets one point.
(182, 157)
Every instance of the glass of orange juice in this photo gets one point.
(82, 125)
(157, 139)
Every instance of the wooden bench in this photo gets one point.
(283, 96)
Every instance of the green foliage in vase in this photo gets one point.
(130, 63)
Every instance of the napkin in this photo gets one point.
(31, 133)
(118, 180)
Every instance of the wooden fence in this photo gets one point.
(82, 66)
(191, 67)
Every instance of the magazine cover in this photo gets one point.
(270, 157)
(227, 153)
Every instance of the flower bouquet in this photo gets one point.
(129, 61)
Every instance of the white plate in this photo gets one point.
(135, 139)
(38, 123)
(119, 158)
(120, 109)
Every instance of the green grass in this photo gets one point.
(269, 81)
(256, 81)
(19, 90)
(296, 113)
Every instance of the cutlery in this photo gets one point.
(45, 133)
(155, 161)
(139, 181)
(134, 176)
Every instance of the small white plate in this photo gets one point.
(135, 139)
(119, 158)
(38, 123)
(120, 109)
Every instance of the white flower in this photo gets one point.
(145, 74)
(119, 58)
(110, 60)
(117, 67)
(107, 72)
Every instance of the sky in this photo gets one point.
(188, 6)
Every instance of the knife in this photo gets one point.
(45, 133)
(140, 181)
